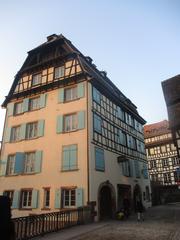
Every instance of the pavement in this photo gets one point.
(161, 223)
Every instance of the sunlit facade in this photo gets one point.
(71, 138)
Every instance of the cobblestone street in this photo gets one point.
(161, 223)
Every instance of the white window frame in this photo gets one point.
(31, 130)
(15, 134)
(26, 201)
(70, 122)
(69, 196)
(36, 79)
(59, 72)
(10, 165)
(18, 108)
(34, 103)
(29, 165)
(72, 94)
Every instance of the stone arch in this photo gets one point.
(106, 201)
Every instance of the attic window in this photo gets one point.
(52, 37)
(36, 79)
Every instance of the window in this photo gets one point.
(69, 197)
(120, 113)
(9, 194)
(26, 198)
(69, 161)
(97, 123)
(175, 161)
(36, 79)
(70, 122)
(70, 94)
(29, 165)
(99, 159)
(15, 134)
(18, 108)
(137, 169)
(154, 177)
(46, 197)
(163, 149)
(34, 103)
(10, 165)
(31, 130)
(96, 95)
(165, 162)
(126, 168)
(167, 177)
(153, 164)
(59, 72)
(151, 151)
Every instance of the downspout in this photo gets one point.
(87, 106)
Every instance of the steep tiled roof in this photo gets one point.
(156, 129)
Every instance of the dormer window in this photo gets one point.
(36, 79)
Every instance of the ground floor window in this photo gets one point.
(9, 194)
(26, 198)
(69, 197)
(46, 198)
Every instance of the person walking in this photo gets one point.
(139, 210)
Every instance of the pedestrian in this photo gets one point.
(139, 210)
(126, 207)
(6, 225)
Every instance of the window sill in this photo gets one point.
(25, 209)
(70, 170)
(100, 170)
(46, 209)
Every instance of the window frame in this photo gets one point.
(10, 165)
(73, 95)
(15, 108)
(10, 195)
(29, 163)
(34, 130)
(69, 200)
(33, 84)
(31, 106)
(28, 200)
(15, 133)
(71, 124)
(59, 76)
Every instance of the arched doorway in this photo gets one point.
(106, 199)
(137, 194)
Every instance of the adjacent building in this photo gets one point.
(71, 137)
(163, 162)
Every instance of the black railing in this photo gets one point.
(36, 225)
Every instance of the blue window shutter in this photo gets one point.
(43, 99)
(123, 169)
(59, 126)
(137, 169)
(99, 159)
(96, 95)
(81, 120)
(38, 161)
(10, 109)
(66, 158)
(16, 198)
(19, 163)
(26, 105)
(3, 165)
(61, 95)
(145, 171)
(35, 194)
(41, 128)
(57, 198)
(8, 134)
(23, 131)
(80, 90)
(73, 156)
(79, 197)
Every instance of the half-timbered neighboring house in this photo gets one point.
(71, 137)
(163, 162)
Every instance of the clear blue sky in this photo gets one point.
(136, 42)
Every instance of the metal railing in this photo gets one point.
(36, 225)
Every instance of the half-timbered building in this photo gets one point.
(71, 137)
(163, 162)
